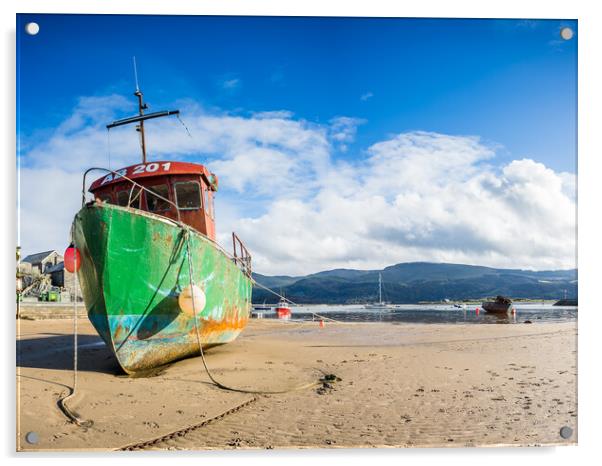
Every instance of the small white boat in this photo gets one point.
(379, 306)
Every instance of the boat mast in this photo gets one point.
(380, 291)
(141, 115)
(141, 107)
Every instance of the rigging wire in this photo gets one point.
(184, 125)
(273, 292)
(109, 145)
(292, 302)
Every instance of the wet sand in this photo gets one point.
(401, 385)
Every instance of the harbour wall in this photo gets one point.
(44, 310)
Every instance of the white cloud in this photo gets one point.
(422, 197)
(274, 114)
(231, 83)
(343, 130)
(417, 196)
(368, 95)
(409, 161)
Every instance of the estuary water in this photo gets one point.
(430, 314)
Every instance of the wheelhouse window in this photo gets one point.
(188, 195)
(155, 203)
(129, 196)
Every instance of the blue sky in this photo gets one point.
(352, 87)
(511, 82)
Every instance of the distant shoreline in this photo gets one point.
(439, 303)
(420, 282)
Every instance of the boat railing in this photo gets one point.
(134, 185)
(242, 259)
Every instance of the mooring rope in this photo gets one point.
(62, 403)
(198, 335)
(328, 318)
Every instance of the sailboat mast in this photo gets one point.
(380, 291)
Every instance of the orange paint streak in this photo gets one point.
(231, 322)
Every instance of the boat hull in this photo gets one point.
(378, 307)
(134, 266)
(497, 308)
(283, 312)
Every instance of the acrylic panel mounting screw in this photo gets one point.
(32, 28)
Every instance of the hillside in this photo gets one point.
(418, 281)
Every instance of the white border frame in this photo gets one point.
(589, 172)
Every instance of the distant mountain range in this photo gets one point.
(413, 282)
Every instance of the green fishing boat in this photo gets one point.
(156, 284)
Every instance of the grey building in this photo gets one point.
(41, 261)
(62, 278)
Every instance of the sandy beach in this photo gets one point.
(401, 385)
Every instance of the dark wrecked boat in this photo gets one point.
(501, 305)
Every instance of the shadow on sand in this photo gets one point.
(56, 352)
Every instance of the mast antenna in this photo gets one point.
(141, 107)
(135, 74)
(141, 117)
